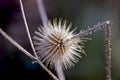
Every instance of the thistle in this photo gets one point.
(56, 45)
(52, 46)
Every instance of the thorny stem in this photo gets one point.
(95, 28)
(108, 52)
(28, 32)
(17, 45)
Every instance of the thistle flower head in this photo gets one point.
(53, 44)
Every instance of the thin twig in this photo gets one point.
(47, 70)
(27, 53)
(108, 52)
(17, 45)
(42, 12)
(27, 29)
(28, 32)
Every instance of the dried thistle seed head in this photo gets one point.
(52, 46)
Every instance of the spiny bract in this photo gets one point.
(53, 44)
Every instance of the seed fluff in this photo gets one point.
(52, 46)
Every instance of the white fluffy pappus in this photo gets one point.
(53, 44)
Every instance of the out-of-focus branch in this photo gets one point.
(60, 71)
(44, 19)
(42, 12)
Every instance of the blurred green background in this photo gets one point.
(82, 13)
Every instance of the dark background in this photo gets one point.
(82, 13)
